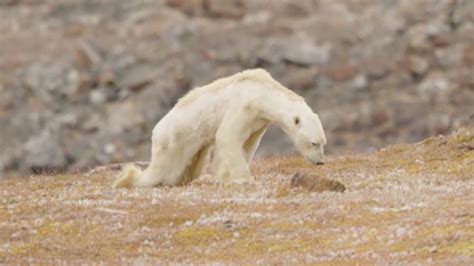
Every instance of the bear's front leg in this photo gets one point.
(230, 163)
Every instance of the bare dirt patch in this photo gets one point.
(403, 204)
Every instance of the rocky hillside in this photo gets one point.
(83, 82)
(405, 204)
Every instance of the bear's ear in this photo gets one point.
(296, 120)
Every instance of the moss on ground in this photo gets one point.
(407, 203)
(196, 236)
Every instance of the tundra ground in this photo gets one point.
(411, 203)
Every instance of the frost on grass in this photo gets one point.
(403, 204)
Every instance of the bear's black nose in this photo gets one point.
(320, 163)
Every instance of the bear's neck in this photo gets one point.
(278, 108)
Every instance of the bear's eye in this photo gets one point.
(296, 120)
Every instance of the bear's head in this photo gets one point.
(307, 133)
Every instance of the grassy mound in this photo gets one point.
(403, 204)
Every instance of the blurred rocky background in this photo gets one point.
(82, 82)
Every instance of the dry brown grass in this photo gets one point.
(403, 204)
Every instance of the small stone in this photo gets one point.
(301, 79)
(138, 78)
(342, 73)
(449, 56)
(433, 84)
(98, 96)
(300, 50)
(463, 12)
(359, 82)
(377, 68)
(297, 8)
(225, 8)
(189, 7)
(314, 183)
(305, 52)
(468, 55)
(260, 17)
(439, 40)
(107, 78)
(110, 148)
(92, 124)
(417, 65)
(229, 224)
(87, 54)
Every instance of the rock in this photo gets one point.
(418, 42)
(377, 68)
(43, 152)
(333, 22)
(138, 77)
(433, 84)
(270, 52)
(462, 12)
(449, 56)
(417, 65)
(110, 148)
(298, 50)
(261, 17)
(403, 119)
(85, 81)
(116, 167)
(124, 116)
(189, 7)
(301, 79)
(92, 123)
(298, 8)
(225, 8)
(468, 55)
(67, 119)
(9, 2)
(342, 73)
(380, 116)
(88, 54)
(359, 82)
(439, 40)
(423, 36)
(98, 96)
(305, 52)
(51, 81)
(107, 77)
(314, 183)
(11, 98)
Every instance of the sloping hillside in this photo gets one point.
(405, 203)
(85, 81)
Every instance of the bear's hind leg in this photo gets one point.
(167, 167)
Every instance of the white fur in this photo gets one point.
(230, 115)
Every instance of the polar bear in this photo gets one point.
(230, 115)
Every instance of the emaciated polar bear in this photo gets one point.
(230, 115)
